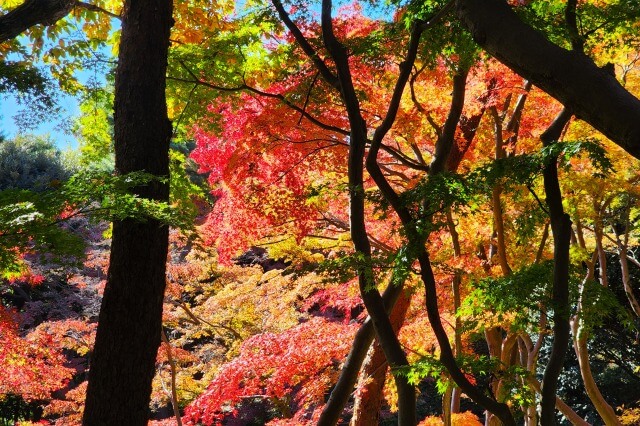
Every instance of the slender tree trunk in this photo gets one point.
(128, 336)
(349, 374)
(368, 290)
(626, 279)
(451, 401)
(580, 346)
(580, 338)
(567, 411)
(561, 229)
(174, 373)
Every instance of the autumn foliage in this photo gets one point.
(264, 294)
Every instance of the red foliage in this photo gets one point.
(342, 300)
(297, 365)
(31, 367)
(261, 167)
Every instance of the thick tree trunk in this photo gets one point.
(128, 336)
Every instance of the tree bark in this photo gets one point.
(366, 410)
(590, 92)
(128, 336)
(580, 346)
(370, 295)
(349, 375)
(561, 229)
(33, 12)
(567, 411)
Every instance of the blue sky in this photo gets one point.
(9, 107)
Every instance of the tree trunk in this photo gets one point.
(128, 336)
(626, 279)
(580, 346)
(561, 229)
(349, 375)
(366, 410)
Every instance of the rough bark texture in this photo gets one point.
(33, 12)
(128, 336)
(590, 92)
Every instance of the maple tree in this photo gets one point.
(502, 244)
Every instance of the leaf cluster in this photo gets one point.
(479, 368)
(518, 296)
(437, 193)
(599, 23)
(600, 305)
(445, 41)
(32, 221)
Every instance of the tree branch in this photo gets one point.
(590, 92)
(31, 13)
(304, 44)
(94, 8)
(196, 80)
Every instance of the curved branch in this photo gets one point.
(94, 8)
(303, 112)
(443, 147)
(327, 74)
(572, 78)
(31, 13)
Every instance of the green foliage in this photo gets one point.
(31, 163)
(428, 366)
(435, 194)
(599, 306)
(446, 41)
(519, 296)
(602, 24)
(30, 221)
(224, 59)
(26, 80)
(591, 148)
(94, 129)
(183, 190)
(479, 368)
(115, 198)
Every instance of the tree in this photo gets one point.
(341, 83)
(128, 335)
